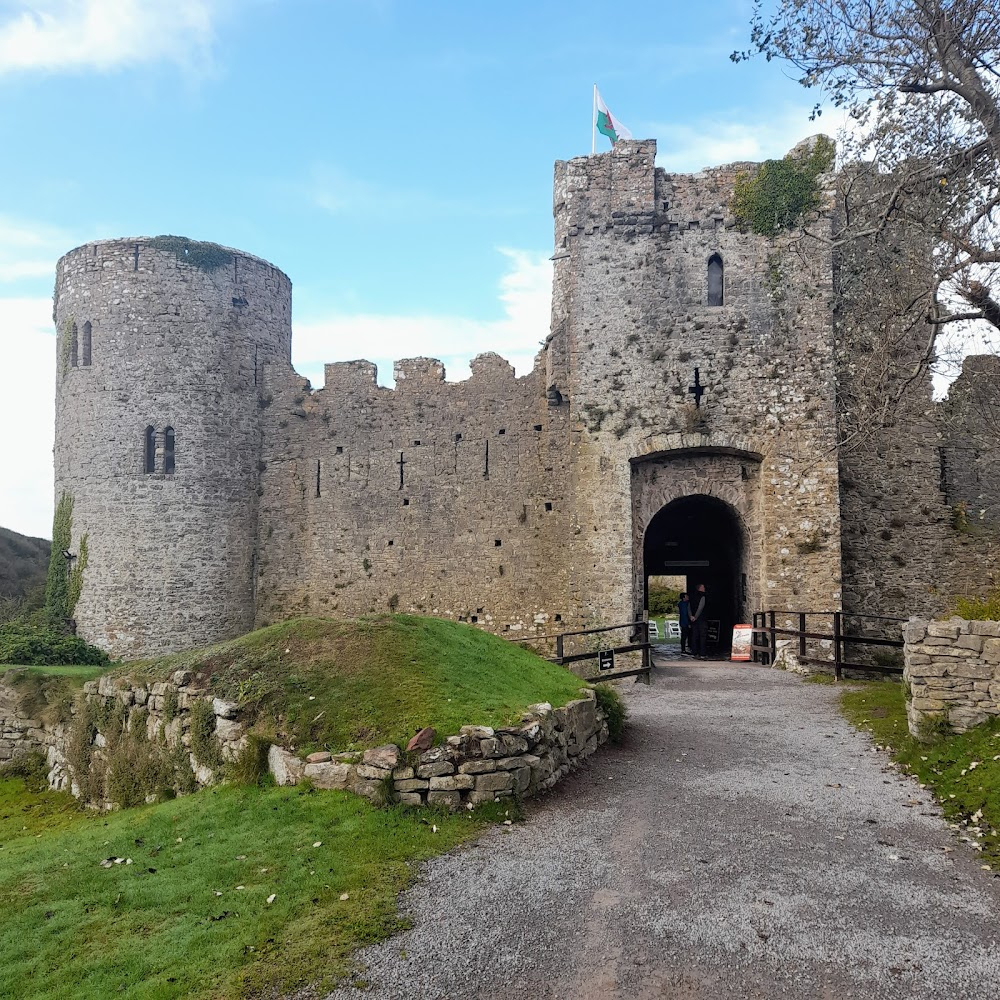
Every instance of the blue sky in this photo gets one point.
(393, 158)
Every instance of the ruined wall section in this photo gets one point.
(969, 429)
(434, 497)
(897, 555)
(631, 297)
(173, 335)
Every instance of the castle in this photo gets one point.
(685, 416)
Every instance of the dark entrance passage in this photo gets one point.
(701, 538)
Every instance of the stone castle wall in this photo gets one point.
(443, 498)
(518, 504)
(174, 344)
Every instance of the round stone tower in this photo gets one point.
(161, 345)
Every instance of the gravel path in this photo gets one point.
(745, 843)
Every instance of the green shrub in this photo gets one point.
(204, 745)
(29, 644)
(979, 609)
(31, 768)
(610, 702)
(250, 765)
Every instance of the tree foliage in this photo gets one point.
(919, 80)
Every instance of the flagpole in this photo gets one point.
(593, 125)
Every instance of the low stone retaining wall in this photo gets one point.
(953, 672)
(122, 735)
(478, 765)
(18, 732)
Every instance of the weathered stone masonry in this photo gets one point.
(518, 504)
(478, 764)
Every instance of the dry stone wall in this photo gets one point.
(953, 673)
(479, 764)
(125, 743)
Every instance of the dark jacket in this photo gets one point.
(698, 611)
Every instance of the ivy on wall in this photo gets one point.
(204, 256)
(62, 586)
(780, 192)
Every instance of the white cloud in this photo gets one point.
(525, 292)
(61, 35)
(30, 250)
(710, 142)
(27, 401)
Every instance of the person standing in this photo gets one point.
(684, 620)
(699, 622)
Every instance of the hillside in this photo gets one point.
(24, 562)
(355, 683)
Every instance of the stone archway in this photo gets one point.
(702, 539)
(696, 513)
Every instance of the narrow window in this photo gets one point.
(168, 450)
(87, 342)
(715, 280)
(74, 346)
(150, 464)
(318, 469)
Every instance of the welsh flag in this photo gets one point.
(607, 124)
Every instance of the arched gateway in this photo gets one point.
(696, 514)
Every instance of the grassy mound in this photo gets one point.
(229, 893)
(962, 770)
(349, 684)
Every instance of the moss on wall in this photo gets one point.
(204, 256)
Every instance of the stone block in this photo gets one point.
(370, 773)
(181, 677)
(522, 780)
(939, 640)
(386, 757)
(972, 668)
(510, 763)
(319, 757)
(413, 784)
(404, 772)
(435, 754)
(453, 783)
(914, 630)
(477, 767)
(490, 748)
(225, 709)
(974, 642)
(423, 740)
(938, 651)
(227, 729)
(985, 629)
(496, 782)
(477, 732)
(943, 630)
(929, 704)
(991, 650)
(442, 798)
(435, 770)
(374, 791)
(329, 774)
(410, 799)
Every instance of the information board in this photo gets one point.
(742, 639)
(606, 660)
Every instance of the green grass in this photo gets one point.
(962, 770)
(349, 684)
(174, 922)
(75, 672)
